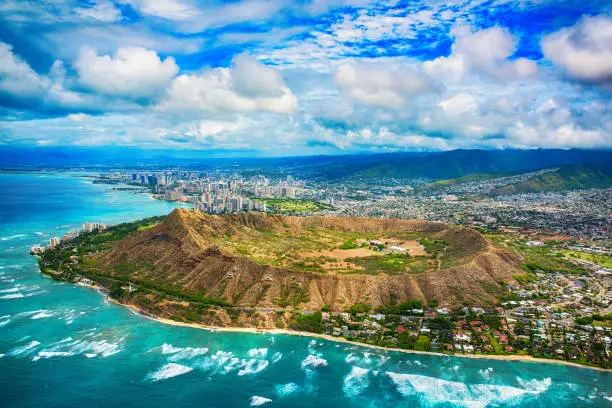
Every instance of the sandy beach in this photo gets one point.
(511, 357)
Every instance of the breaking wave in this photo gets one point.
(535, 385)
(42, 315)
(224, 362)
(284, 390)
(276, 357)
(258, 352)
(356, 381)
(10, 237)
(257, 400)
(180, 353)
(168, 371)
(313, 361)
(17, 295)
(25, 349)
(10, 290)
(435, 390)
(252, 366)
(485, 373)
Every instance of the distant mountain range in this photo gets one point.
(435, 165)
(566, 178)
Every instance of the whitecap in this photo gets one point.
(486, 373)
(284, 390)
(258, 352)
(11, 290)
(10, 237)
(49, 354)
(252, 366)
(535, 385)
(25, 349)
(218, 362)
(168, 371)
(276, 357)
(42, 315)
(5, 322)
(257, 400)
(179, 353)
(12, 296)
(313, 361)
(356, 381)
(437, 391)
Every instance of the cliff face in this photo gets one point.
(186, 251)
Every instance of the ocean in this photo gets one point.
(64, 345)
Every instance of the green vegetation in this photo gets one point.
(404, 308)
(293, 206)
(566, 178)
(596, 319)
(360, 308)
(546, 260)
(394, 263)
(468, 179)
(422, 343)
(312, 323)
(73, 260)
(603, 260)
(349, 244)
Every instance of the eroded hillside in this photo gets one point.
(310, 262)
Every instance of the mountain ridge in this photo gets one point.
(183, 251)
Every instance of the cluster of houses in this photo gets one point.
(494, 330)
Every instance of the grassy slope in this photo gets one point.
(566, 178)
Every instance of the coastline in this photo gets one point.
(251, 330)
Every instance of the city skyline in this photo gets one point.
(281, 78)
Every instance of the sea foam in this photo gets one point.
(25, 349)
(168, 371)
(356, 381)
(17, 295)
(257, 400)
(252, 366)
(313, 361)
(258, 352)
(284, 390)
(179, 353)
(436, 391)
(276, 357)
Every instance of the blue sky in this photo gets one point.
(306, 77)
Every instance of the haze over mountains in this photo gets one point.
(435, 165)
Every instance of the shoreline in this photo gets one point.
(287, 332)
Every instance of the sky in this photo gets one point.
(306, 77)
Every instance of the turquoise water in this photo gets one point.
(63, 345)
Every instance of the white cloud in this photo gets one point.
(16, 75)
(168, 9)
(78, 117)
(584, 51)
(250, 78)
(131, 72)
(22, 83)
(189, 16)
(564, 136)
(102, 10)
(249, 86)
(383, 83)
(484, 52)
